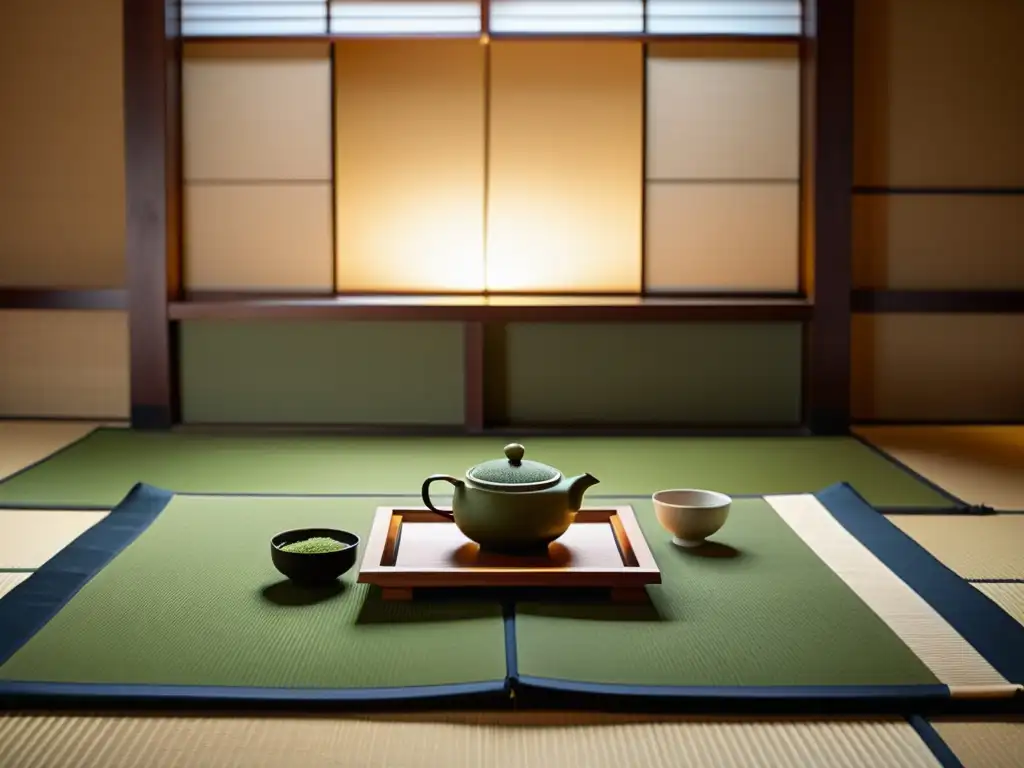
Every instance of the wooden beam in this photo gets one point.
(152, 117)
(827, 58)
(866, 300)
(49, 298)
(554, 309)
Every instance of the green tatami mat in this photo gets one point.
(103, 467)
(195, 600)
(757, 608)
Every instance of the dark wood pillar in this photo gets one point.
(828, 167)
(152, 120)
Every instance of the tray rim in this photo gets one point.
(644, 573)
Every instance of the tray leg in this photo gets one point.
(629, 595)
(396, 593)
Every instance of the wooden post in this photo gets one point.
(828, 129)
(152, 118)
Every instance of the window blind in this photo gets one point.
(724, 17)
(568, 16)
(253, 18)
(387, 17)
(283, 18)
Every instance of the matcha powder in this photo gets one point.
(315, 546)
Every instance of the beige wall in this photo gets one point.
(62, 205)
(64, 364)
(939, 104)
(61, 144)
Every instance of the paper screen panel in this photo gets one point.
(256, 113)
(61, 145)
(724, 17)
(938, 367)
(719, 237)
(939, 93)
(643, 373)
(723, 112)
(565, 167)
(405, 17)
(64, 364)
(300, 372)
(410, 165)
(250, 18)
(261, 237)
(951, 242)
(567, 16)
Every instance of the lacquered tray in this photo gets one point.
(411, 548)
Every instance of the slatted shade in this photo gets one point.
(263, 18)
(282, 18)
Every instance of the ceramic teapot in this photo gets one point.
(512, 505)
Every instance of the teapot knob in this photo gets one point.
(515, 452)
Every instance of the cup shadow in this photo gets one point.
(711, 549)
(288, 593)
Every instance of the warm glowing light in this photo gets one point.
(410, 165)
(565, 167)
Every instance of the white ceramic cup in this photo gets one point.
(691, 515)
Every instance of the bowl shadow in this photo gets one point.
(712, 549)
(287, 593)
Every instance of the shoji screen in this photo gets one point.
(723, 169)
(257, 144)
(565, 165)
(410, 154)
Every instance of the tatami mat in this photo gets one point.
(974, 546)
(981, 744)
(9, 581)
(31, 537)
(980, 464)
(25, 442)
(1009, 597)
(494, 741)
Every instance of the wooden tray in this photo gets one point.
(412, 548)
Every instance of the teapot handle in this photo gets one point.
(425, 492)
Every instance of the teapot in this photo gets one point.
(512, 505)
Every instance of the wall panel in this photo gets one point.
(61, 144)
(708, 373)
(257, 156)
(738, 237)
(64, 364)
(938, 241)
(257, 112)
(258, 237)
(321, 372)
(723, 167)
(939, 93)
(938, 367)
(565, 177)
(723, 112)
(410, 165)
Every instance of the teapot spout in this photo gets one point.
(577, 487)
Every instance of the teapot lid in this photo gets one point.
(513, 470)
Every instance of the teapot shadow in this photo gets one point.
(712, 550)
(288, 593)
(470, 555)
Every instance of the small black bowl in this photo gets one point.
(317, 568)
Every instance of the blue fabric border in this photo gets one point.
(13, 694)
(31, 604)
(982, 623)
(34, 602)
(809, 693)
(935, 743)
